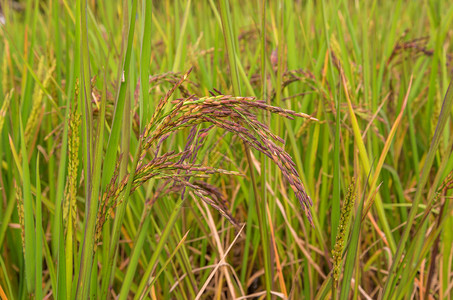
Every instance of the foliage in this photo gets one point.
(214, 149)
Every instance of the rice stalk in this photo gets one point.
(5, 81)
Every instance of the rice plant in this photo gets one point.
(226, 149)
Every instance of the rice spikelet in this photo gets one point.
(345, 219)
(20, 211)
(38, 96)
(4, 108)
(235, 115)
(70, 205)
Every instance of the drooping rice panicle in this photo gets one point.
(236, 115)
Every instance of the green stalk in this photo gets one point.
(93, 172)
(118, 222)
(228, 35)
(352, 250)
(123, 78)
(182, 33)
(230, 44)
(29, 220)
(158, 249)
(145, 104)
(366, 164)
(39, 235)
(335, 215)
(444, 115)
(136, 251)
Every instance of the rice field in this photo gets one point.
(227, 149)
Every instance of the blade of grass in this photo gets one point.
(281, 280)
(335, 215)
(352, 247)
(444, 115)
(91, 215)
(145, 57)
(158, 249)
(366, 163)
(39, 235)
(181, 39)
(230, 43)
(135, 256)
(386, 148)
(170, 257)
(118, 222)
(123, 77)
(93, 174)
(8, 283)
(29, 220)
